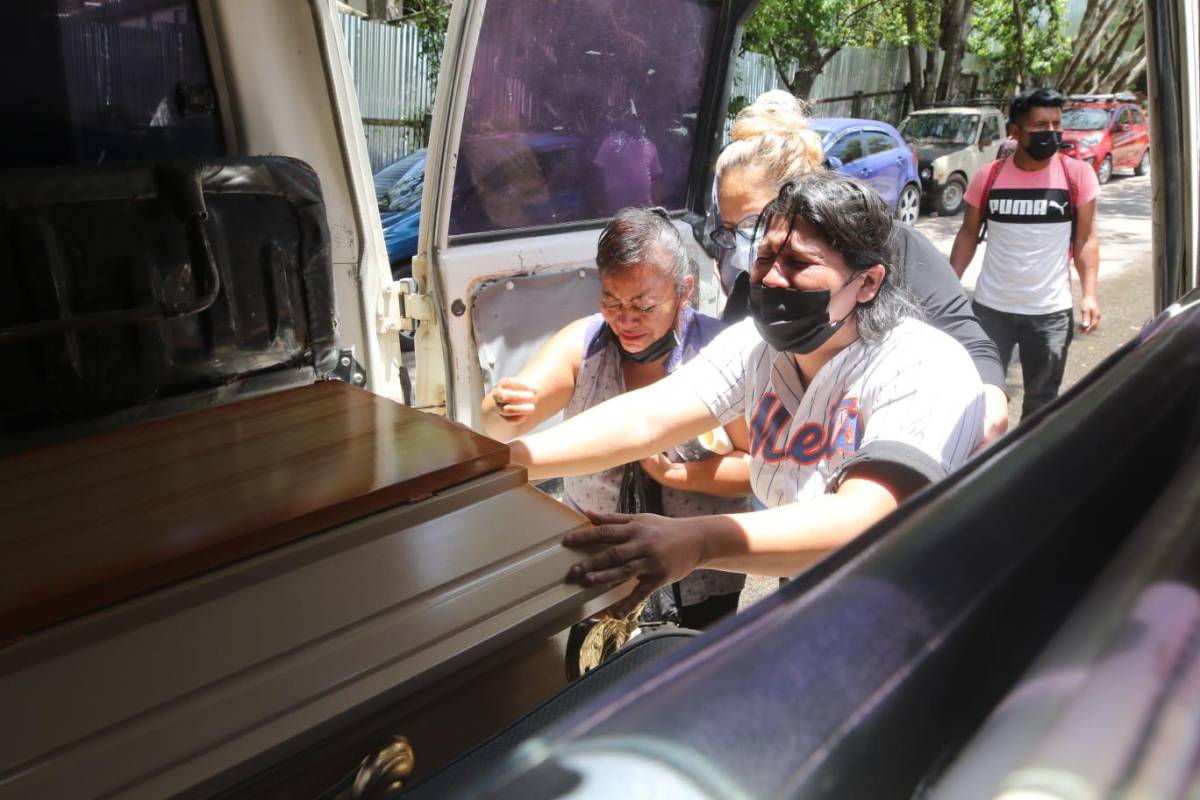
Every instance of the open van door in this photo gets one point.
(551, 116)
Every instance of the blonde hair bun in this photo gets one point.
(776, 111)
(772, 136)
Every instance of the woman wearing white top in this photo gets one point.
(851, 405)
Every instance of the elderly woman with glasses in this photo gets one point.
(852, 404)
(645, 329)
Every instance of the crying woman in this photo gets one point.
(646, 327)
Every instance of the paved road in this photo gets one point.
(1126, 293)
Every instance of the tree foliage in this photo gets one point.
(802, 36)
(430, 18)
(1024, 41)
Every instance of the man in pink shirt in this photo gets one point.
(1039, 208)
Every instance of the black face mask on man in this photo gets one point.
(1043, 144)
(795, 320)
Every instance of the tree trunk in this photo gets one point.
(954, 30)
(914, 56)
(807, 71)
(1127, 70)
(1086, 30)
(928, 82)
(1108, 55)
(1019, 26)
(781, 70)
(1130, 78)
(1085, 46)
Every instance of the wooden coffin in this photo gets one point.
(180, 597)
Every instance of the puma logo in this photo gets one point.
(1024, 208)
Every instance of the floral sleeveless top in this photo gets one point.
(600, 378)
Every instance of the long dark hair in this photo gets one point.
(855, 221)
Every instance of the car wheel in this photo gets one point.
(908, 207)
(950, 202)
(1144, 165)
(1105, 170)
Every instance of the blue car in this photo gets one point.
(875, 153)
(399, 185)
(398, 188)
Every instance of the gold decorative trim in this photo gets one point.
(384, 774)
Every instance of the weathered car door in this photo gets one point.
(990, 137)
(550, 116)
(974, 157)
(1126, 140)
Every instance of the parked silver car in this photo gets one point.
(951, 144)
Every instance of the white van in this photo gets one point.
(226, 541)
(952, 144)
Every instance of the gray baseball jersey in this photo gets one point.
(914, 399)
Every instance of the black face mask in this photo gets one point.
(1043, 144)
(654, 351)
(794, 320)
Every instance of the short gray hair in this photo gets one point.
(644, 236)
(855, 221)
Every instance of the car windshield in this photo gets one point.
(941, 128)
(822, 132)
(1085, 119)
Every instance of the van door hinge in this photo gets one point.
(402, 307)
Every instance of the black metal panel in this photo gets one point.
(132, 284)
(1166, 36)
(710, 125)
(858, 679)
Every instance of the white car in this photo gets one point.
(951, 144)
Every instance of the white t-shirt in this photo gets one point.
(915, 399)
(1026, 267)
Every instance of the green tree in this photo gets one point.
(802, 36)
(430, 18)
(1023, 41)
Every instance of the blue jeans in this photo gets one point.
(1043, 338)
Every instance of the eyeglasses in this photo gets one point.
(725, 236)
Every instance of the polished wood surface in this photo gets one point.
(90, 522)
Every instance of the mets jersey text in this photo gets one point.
(913, 399)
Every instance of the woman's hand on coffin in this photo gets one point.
(648, 548)
(514, 400)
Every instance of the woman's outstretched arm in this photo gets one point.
(625, 428)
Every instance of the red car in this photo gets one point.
(1108, 136)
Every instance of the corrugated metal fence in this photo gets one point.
(395, 84)
(851, 70)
